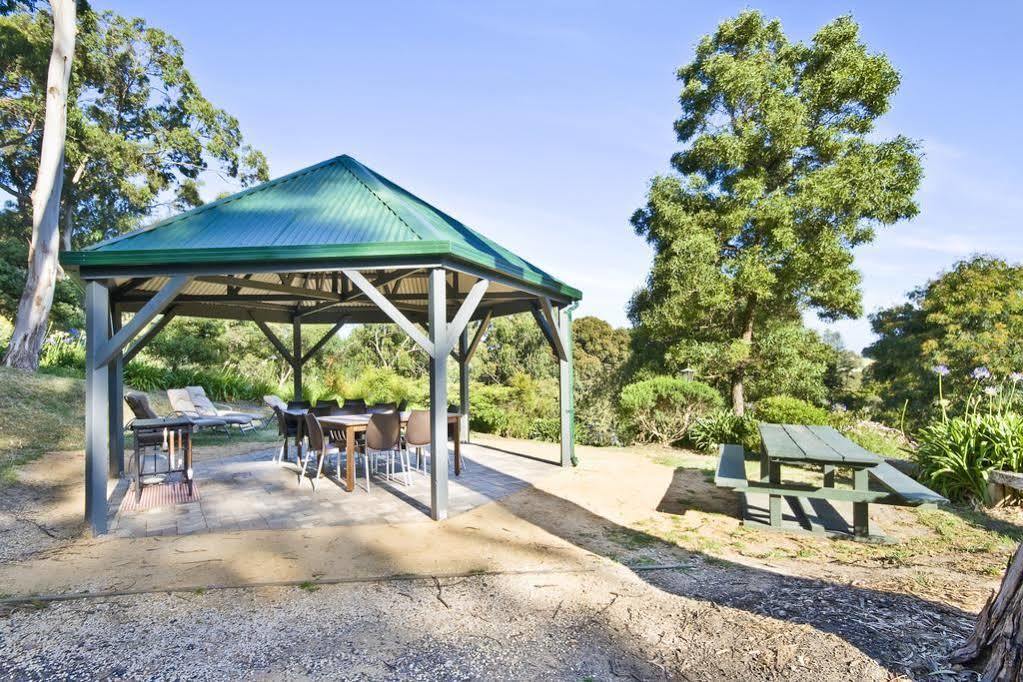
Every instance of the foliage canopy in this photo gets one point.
(779, 178)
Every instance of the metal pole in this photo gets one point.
(115, 402)
(438, 396)
(296, 353)
(97, 411)
(463, 385)
(566, 394)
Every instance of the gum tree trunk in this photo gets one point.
(37, 297)
(739, 375)
(997, 640)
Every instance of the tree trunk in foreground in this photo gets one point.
(37, 297)
(997, 640)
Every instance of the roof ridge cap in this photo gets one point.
(363, 173)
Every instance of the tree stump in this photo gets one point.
(997, 640)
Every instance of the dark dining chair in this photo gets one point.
(383, 435)
(288, 428)
(319, 445)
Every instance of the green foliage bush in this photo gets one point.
(491, 410)
(877, 438)
(662, 409)
(784, 409)
(956, 455)
(545, 428)
(722, 427)
(384, 385)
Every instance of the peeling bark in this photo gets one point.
(997, 640)
(37, 297)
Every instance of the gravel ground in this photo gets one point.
(606, 624)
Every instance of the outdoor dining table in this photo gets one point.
(354, 424)
(821, 446)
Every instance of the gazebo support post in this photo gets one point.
(97, 405)
(115, 377)
(566, 394)
(438, 330)
(463, 385)
(296, 354)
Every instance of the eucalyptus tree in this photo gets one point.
(37, 297)
(780, 175)
(140, 134)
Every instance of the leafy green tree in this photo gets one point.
(780, 176)
(140, 132)
(601, 354)
(969, 317)
(140, 136)
(41, 208)
(376, 345)
(791, 360)
(192, 341)
(513, 344)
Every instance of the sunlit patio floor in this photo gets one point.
(252, 492)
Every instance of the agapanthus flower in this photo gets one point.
(991, 390)
(981, 373)
(1016, 377)
(941, 370)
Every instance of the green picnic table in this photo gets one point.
(823, 449)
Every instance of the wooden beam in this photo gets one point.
(301, 292)
(323, 341)
(350, 296)
(385, 279)
(132, 283)
(438, 398)
(143, 317)
(276, 342)
(97, 396)
(149, 334)
(546, 329)
(480, 331)
(465, 311)
(389, 309)
(552, 319)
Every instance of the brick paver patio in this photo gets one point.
(252, 492)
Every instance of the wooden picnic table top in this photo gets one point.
(814, 444)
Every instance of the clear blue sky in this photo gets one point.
(540, 124)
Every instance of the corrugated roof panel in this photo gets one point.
(334, 204)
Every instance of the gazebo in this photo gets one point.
(335, 243)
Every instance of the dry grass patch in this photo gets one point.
(953, 555)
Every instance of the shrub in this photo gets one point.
(724, 426)
(784, 409)
(384, 385)
(64, 350)
(494, 409)
(662, 409)
(545, 428)
(877, 438)
(956, 455)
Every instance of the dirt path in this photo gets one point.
(570, 610)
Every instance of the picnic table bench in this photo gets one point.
(813, 447)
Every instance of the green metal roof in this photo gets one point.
(331, 211)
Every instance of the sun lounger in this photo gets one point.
(205, 407)
(182, 405)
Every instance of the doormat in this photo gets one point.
(160, 495)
